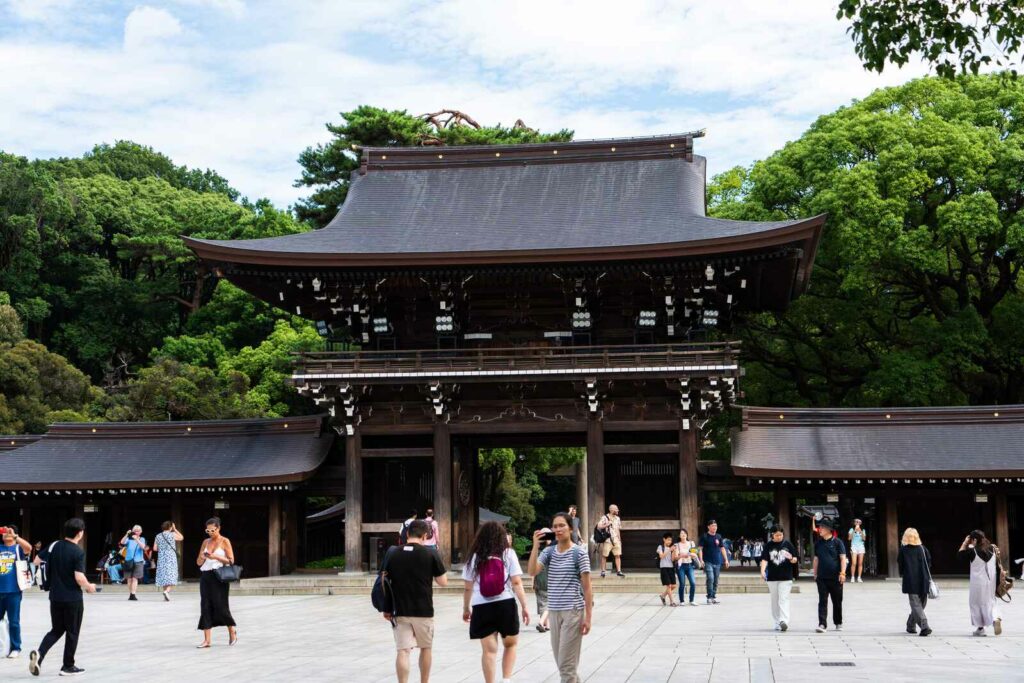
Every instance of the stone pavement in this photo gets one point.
(341, 638)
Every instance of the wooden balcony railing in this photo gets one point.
(524, 359)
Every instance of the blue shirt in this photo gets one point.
(133, 549)
(828, 554)
(8, 577)
(711, 548)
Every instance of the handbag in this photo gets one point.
(229, 573)
(933, 588)
(21, 569)
(382, 596)
(602, 534)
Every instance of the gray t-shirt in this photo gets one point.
(666, 561)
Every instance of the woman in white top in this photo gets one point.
(981, 595)
(685, 559)
(214, 609)
(493, 582)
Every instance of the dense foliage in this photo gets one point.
(951, 36)
(915, 297)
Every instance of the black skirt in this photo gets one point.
(213, 602)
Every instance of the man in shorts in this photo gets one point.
(411, 568)
(613, 523)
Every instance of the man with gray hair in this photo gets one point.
(134, 544)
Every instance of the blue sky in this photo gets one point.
(242, 86)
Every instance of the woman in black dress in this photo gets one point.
(214, 610)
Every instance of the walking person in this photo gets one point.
(65, 570)
(829, 573)
(746, 551)
(13, 549)
(915, 563)
(779, 566)
(430, 540)
(858, 537)
(411, 568)
(982, 556)
(570, 595)
(667, 555)
(613, 524)
(134, 565)
(214, 605)
(494, 580)
(714, 557)
(686, 557)
(167, 557)
(577, 535)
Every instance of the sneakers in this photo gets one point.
(663, 603)
(602, 574)
(925, 632)
(71, 671)
(860, 579)
(821, 628)
(13, 654)
(911, 630)
(980, 632)
(167, 596)
(33, 663)
(620, 575)
(131, 596)
(839, 627)
(714, 601)
(997, 626)
(783, 626)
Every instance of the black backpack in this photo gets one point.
(403, 535)
(602, 535)
(382, 595)
(44, 574)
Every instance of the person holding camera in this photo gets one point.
(13, 549)
(134, 565)
(65, 570)
(214, 609)
(166, 548)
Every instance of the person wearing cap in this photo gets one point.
(829, 572)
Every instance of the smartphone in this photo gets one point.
(549, 536)
(99, 588)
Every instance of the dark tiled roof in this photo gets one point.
(583, 199)
(961, 442)
(202, 453)
(12, 441)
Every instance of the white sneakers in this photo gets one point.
(13, 654)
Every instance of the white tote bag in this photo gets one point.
(23, 572)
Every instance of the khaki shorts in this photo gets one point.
(413, 632)
(613, 546)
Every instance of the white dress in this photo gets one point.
(982, 593)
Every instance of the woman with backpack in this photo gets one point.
(493, 583)
(982, 556)
(570, 597)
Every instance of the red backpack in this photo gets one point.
(491, 573)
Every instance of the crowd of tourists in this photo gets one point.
(495, 604)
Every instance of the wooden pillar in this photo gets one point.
(595, 474)
(892, 534)
(689, 500)
(80, 513)
(179, 522)
(290, 528)
(582, 506)
(782, 516)
(443, 508)
(353, 503)
(1002, 529)
(26, 522)
(274, 535)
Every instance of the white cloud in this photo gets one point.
(147, 27)
(247, 86)
(37, 10)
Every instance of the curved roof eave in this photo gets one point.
(229, 251)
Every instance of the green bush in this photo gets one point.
(336, 562)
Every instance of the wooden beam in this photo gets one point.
(595, 474)
(443, 508)
(384, 528)
(892, 534)
(353, 504)
(689, 500)
(274, 536)
(641, 426)
(398, 452)
(641, 448)
(1002, 527)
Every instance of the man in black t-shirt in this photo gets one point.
(411, 568)
(779, 568)
(829, 573)
(65, 568)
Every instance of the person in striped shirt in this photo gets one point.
(570, 597)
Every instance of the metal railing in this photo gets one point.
(521, 358)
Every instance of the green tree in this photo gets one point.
(951, 36)
(510, 481)
(327, 167)
(915, 297)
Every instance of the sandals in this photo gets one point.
(202, 646)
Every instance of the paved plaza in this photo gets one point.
(341, 638)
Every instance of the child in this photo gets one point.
(667, 555)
